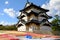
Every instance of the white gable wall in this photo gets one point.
(33, 17)
(41, 18)
(32, 9)
(27, 4)
(25, 18)
(21, 28)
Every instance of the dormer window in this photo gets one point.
(20, 25)
(22, 16)
(44, 20)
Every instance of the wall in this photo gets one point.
(21, 28)
(34, 28)
(45, 29)
(32, 17)
(41, 18)
(33, 9)
(25, 18)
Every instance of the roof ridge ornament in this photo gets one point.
(27, 1)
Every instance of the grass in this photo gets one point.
(2, 31)
(16, 33)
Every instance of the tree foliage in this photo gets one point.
(11, 27)
(56, 23)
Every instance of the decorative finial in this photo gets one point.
(27, 1)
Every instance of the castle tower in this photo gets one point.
(33, 18)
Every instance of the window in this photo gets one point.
(22, 16)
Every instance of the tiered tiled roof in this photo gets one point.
(34, 21)
(36, 14)
(46, 24)
(19, 25)
(46, 16)
(34, 6)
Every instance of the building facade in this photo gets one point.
(33, 18)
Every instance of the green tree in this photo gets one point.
(56, 23)
(8, 27)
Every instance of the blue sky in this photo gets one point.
(9, 9)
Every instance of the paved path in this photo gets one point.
(16, 33)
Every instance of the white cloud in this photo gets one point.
(6, 2)
(3, 23)
(53, 6)
(10, 12)
(7, 23)
(58, 13)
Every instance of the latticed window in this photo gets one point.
(22, 16)
(34, 28)
(20, 25)
(23, 21)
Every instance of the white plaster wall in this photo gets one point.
(40, 18)
(25, 18)
(21, 28)
(29, 11)
(30, 29)
(33, 17)
(42, 14)
(20, 22)
(33, 27)
(35, 10)
(27, 4)
(45, 29)
(46, 22)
